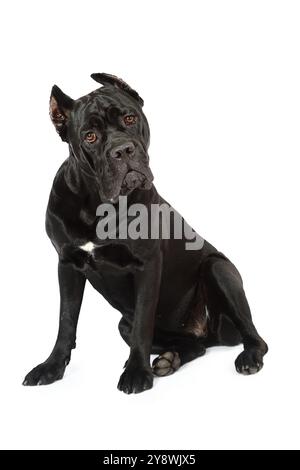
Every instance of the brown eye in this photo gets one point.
(129, 119)
(90, 137)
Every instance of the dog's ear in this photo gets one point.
(60, 107)
(107, 79)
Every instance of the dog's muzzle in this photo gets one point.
(135, 179)
(130, 170)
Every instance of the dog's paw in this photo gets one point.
(135, 380)
(249, 362)
(166, 364)
(45, 373)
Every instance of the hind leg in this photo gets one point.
(225, 294)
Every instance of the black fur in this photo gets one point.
(173, 302)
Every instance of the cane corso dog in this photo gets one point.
(175, 302)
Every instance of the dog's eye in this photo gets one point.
(129, 119)
(90, 137)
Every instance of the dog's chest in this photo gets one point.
(76, 241)
(112, 256)
(89, 247)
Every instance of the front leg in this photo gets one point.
(137, 375)
(71, 285)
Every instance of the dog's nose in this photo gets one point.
(122, 150)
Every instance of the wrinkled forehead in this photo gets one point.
(99, 102)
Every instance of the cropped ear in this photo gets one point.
(60, 107)
(107, 79)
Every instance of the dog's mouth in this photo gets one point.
(133, 180)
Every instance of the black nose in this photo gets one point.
(122, 150)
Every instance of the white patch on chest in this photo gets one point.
(89, 246)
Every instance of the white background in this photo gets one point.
(221, 84)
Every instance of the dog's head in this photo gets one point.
(108, 135)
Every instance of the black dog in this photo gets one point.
(174, 302)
